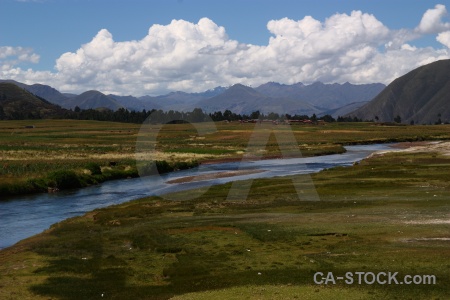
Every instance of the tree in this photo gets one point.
(255, 115)
(197, 115)
(397, 119)
(273, 116)
(328, 118)
(227, 114)
(439, 121)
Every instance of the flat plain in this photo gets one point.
(389, 213)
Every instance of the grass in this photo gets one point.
(53, 145)
(388, 213)
(372, 217)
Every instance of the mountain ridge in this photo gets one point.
(420, 97)
(295, 98)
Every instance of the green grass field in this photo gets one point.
(389, 213)
(28, 156)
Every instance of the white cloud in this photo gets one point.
(194, 57)
(444, 38)
(18, 54)
(432, 20)
(10, 57)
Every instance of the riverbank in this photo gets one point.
(91, 174)
(441, 147)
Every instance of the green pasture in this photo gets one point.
(53, 145)
(389, 213)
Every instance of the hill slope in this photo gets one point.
(344, 110)
(44, 91)
(421, 96)
(328, 96)
(17, 103)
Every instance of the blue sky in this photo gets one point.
(43, 41)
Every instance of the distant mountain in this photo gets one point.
(212, 92)
(421, 96)
(69, 95)
(180, 101)
(18, 103)
(328, 96)
(242, 99)
(44, 91)
(133, 103)
(297, 98)
(93, 99)
(344, 110)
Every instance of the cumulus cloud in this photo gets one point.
(188, 56)
(179, 55)
(432, 20)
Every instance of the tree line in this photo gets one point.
(194, 116)
(160, 116)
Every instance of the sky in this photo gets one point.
(138, 47)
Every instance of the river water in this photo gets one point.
(24, 216)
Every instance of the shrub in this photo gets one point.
(94, 168)
(65, 179)
(163, 166)
(38, 184)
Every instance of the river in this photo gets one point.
(24, 216)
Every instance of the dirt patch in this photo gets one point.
(214, 176)
(440, 239)
(427, 222)
(406, 145)
(415, 147)
(341, 131)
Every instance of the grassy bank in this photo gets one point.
(387, 214)
(82, 174)
(34, 159)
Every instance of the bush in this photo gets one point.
(94, 168)
(38, 184)
(65, 179)
(163, 166)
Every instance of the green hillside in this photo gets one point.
(17, 103)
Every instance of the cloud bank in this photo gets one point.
(191, 57)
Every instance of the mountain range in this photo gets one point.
(421, 96)
(418, 97)
(318, 98)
